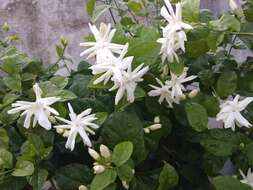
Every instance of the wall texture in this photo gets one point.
(40, 23)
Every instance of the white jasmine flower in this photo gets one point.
(39, 110)
(104, 151)
(247, 179)
(163, 92)
(230, 112)
(174, 18)
(128, 82)
(233, 5)
(102, 48)
(171, 44)
(174, 36)
(93, 154)
(176, 84)
(78, 124)
(112, 67)
(98, 169)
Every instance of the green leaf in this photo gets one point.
(101, 117)
(197, 42)
(211, 105)
(59, 50)
(13, 82)
(6, 159)
(59, 81)
(125, 126)
(222, 142)
(6, 118)
(197, 116)
(4, 138)
(103, 180)
(122, 152)
(229, 183)
(191, 10)
(99, 11)
(226, 23)
(72, 176)
(168, 178)
(34, 148)
(12, 60)
(79, 85)
(144, 48)
(248, 10)
(38, 178)
(176, 67)
(227, 84)
(135, 7)
(247, 27)
(125, 171)
(65, 95)
(23, 168)
(13, 183)
(90, 5)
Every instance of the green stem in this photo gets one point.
(241, 33)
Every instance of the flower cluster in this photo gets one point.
(40, 112)
(174, 36)
(156, 126)
(172, 90)
(102, 160)
(111, 63)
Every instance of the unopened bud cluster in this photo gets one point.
(102, 159)
(157, 125)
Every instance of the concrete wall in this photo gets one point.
(40, 23)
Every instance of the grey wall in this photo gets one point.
(40, 23)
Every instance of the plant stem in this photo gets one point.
(241, 33)
(111, 13)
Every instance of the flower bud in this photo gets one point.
(93, 154)
(5, 27)
(104, 151)
(59, 130)
(232, 4)
(125, 184)
(52, 119)
(157, 119)
(146, 130)
(98, 169)
(66, 133)
(182, 97)
(155, 127)
(82, 187)
(193, 93)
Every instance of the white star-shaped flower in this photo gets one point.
(163, 91)
(247, 179)
(128, 82)
(174, 18)
(176, 83)
(102, 48)
(171, 44)
(230, 112)
(174, 36)
(112, 67)
(78, 124)
(39, 110)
